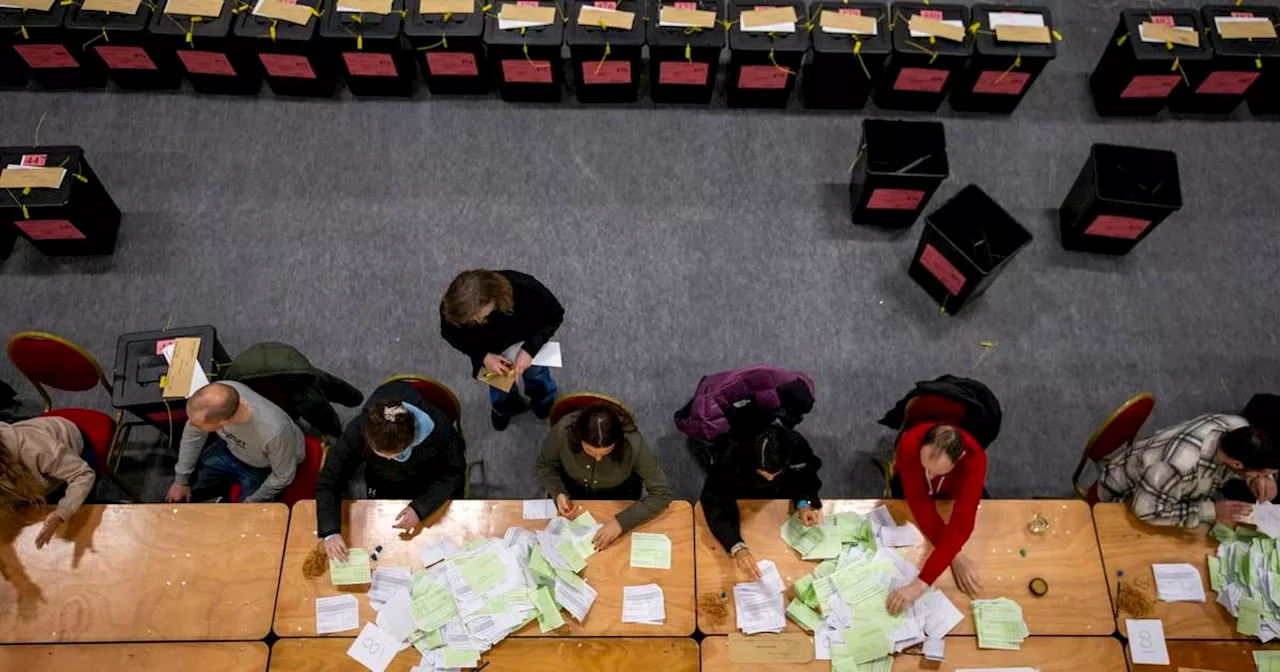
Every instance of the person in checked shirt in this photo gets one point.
(1173, 476)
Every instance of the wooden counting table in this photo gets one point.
(528, 654)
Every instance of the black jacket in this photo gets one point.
(534, 319)
(433, 473)
(735, 478)
(284, 376)
(982, 414)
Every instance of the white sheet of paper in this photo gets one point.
(198, 377)
(576, 602)
(770, 577)
(1146, 641)
(539, 509)
(437, 551)
(549, 355)
(1178, 583)
(1015, 19)
(1142, 33)
(643, 604)
(935, 649)
(374, 648)
(1266, 516)
(395, 619)
(387, 581)
(335, 614)
(949, 22)
(938, 614)
(880, 517)
(771, 28)
(760, 609)
(898, 536)
(508, 24)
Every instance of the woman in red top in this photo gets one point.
(937, 461)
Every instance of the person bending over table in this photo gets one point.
(257, 445)
(409, 450)
(595, 454)
(1171, 477)
(770, 463)
(43, 459)
(939, 461)
(484, 313)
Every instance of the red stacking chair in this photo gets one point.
(1118, 431)
(304, 481)
(924, 408)
(580, 400)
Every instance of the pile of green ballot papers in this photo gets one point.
(824, 542)
(1245, 572)
(466, 601)
(999, 624)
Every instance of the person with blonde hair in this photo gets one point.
(38, 458)
(483, 314)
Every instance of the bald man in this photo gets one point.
(257, 446)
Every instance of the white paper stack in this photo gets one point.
(1178, 583)
(336, 614)
(643, 604)
(387, 581)
(760, 608)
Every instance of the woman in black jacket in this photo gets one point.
(409, 449)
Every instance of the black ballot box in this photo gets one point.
(75, 218)
(851, 42)
(526, 59)
(965, 245)
(604, 49)
(921, 68)
(1139, 71)
(53, 58)
(764, 64)
(293, 61)
(449, 47)
(1220, 85)
(140, 368)
(1012, 45)
(369, 51)
(1263, 96)
(898, 167)
(211, 58)
(34, 30)
(1120, 196)
(8, 235)
(684, 52)
(120, 44)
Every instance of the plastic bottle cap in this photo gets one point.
(1038, 587)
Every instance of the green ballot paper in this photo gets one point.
(1215, 574)
(483, 571)
(582, 523)
(804, 591)
(569, 551)
(803, 615)
(1250, 616)
(584, 546)
(354, 571)
(1267, 661)
(650, 551)
(866, 643)
(433, 608)
(549, 617)
(539, 566)
(455, 658)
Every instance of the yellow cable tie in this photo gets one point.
(357, 18)
(857, 45)
(973, 27)
(523, 31)
(1017, 60)
(314, 12)
(444, 41)
(1122, 40)
(1057, 35)
(447, 16)
(80, 177)
(1257, 63)
(933, 40)
(23, 29)
(25, 213)
(360, 42)
(602, 58)
(272, 30)
(775, 63)
(189, 37)
(105, 37)
(485, 8)
(26, 191)
(688, 53)
(857, 51)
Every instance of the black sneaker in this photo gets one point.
(543, 410)
(500, 422)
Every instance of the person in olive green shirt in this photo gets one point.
(596, 453)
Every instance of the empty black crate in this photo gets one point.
(1219, 86)
(1135, 77)
(139, 367)
(366, 46)
(845, 67)
(122, 46)
(450, 49)
(683, 59)
(526, 61)
(920, 71)
(293, 61)
(1122, 193)
(964, 246)
(606, 61)
(899, 166)
(77, 218)
(763, 66)
(53, 57)
(211, 59)
(1002, 71)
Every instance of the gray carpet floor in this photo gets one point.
(682, 241)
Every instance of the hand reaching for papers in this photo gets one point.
(809, 516)
(607, 534)
(966, 575)
(524, 360)
(747, 564)
(336, 547)
(50, 526)
(1231, 512)
(407, 520)
(1263, 487)
(497, 364)
(566, 507)
(902, 598)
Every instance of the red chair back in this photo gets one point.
(50, 360)
(304, 483)
(436, 393)
(578, 401)
(98, 426)
(932, 408)
(1117, 431)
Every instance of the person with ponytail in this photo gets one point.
(409, 450)
(38, 458)
(598, 453)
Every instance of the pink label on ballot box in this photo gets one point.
(164, 343)
(762, 77)
(691, 6)
(46, 56)
(616, 72)
(1151, 86)
(1162, 20)
(520, 71)
(36, 160)
(363, 64)
(850, 12)
(1001, 82)
(50, 229)
(125, 58)
(683, 72)
(929, 80)
(527, 3)
(206, 63)
(450, 64)
(1115, 226)
(1227, 82)
(287, 65)
(895, 199)
(1242, 15)
(935, 14)
(605, 4)
(943, 270)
